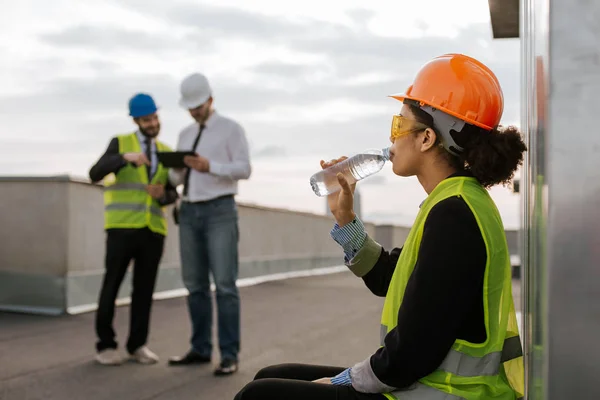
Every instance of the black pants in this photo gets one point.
(293, 382)
(122, 245)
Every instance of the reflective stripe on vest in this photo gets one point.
(134, 207)
(461, 364)
(423, 392)
(126, 186)
(419, 391)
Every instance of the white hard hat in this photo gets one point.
(195, 91)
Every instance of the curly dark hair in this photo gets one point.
(490, 156)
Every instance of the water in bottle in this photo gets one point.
(354, 169)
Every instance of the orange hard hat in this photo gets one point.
(460, 86)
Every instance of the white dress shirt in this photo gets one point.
(224, 144)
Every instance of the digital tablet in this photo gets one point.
(173, 159)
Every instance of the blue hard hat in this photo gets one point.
(141, 104)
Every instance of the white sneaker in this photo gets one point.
(143, 355)
(109, 357)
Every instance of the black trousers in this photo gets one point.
(123, 245)
(294, 382)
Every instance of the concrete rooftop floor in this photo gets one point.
(331, 320)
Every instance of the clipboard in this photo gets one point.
(173, 159)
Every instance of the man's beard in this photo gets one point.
(151, 135)
(204, 117)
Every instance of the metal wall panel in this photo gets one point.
(561, 191)
(573, 165)
(534, 84)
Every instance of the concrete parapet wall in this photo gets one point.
(52, 244)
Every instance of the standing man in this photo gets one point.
(208, 223)
(136, 190)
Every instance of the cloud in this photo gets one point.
(361, 16)
(342, 57)
(230, 21)
(335, 40)
(107, 93)
(269, 152)
(283, 69)
(108, 38)
(104, 67)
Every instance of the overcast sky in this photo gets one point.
(307, 80)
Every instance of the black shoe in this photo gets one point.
(227, 367)
(190, 358)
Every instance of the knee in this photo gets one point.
(195, 287)
(242, 394)
(255, 390)
(239, 394)
(226, 287)
(192, 281)
(227, 290)
(192, 286)
(272, 371)
(225, 273)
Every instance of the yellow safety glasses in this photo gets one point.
(402, 126)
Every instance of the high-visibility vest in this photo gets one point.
(471, 371)
(127, 204)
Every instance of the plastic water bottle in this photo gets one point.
(354, 169)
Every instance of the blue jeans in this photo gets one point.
(208, 239)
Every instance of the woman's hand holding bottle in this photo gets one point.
(341, 203)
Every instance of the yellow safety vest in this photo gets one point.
(472, 371)
(127, 204)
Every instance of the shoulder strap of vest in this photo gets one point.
(128, 142)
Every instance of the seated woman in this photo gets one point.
(448, 326)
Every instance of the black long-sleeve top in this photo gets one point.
(443, 300)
